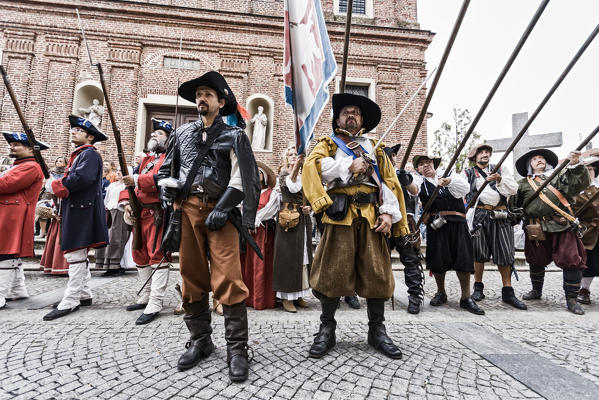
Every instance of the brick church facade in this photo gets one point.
(137, 44)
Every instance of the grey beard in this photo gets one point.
(152, 144)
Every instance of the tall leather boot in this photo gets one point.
(200, 344)
(325, 339)
(537, 278)
(414, 277)
(571, 287)
(377, 334)
(236, 335)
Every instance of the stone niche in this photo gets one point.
(252, 103)
(85, 93)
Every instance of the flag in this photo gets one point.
(308, 66)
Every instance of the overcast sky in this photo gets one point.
(486, 39)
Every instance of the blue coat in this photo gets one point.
(83, 214)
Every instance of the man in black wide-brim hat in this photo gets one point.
(361, 202)
(226, 176)
(549, 221)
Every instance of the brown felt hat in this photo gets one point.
(271, 178)
(474, 151)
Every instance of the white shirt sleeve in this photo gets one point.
(508, 185)
(418, 179)
(390, 205)
(269, 210)
(459, 186)
(235, 180)
(335, 168)
(296, 186)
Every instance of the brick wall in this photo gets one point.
(46, 59)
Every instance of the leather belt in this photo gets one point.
(364, 198)
(445, 213)
(491, 208)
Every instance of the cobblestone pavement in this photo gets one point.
(98, 352)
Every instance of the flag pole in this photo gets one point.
(350, 5)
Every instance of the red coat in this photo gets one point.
(147, 185)
(20, 188)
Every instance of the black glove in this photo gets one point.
(405, 178)
(168, 194)
(227, 202)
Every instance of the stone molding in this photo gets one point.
(19, 42)
(61, 46)
(128, 53)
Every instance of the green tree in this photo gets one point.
(448, 137)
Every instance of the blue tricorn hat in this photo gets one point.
(213, 80)
(162, 125)
(84, 123)
(19, 137)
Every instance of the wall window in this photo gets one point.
(360, 8)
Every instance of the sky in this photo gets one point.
(486, 39)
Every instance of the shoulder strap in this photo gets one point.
(196, 164)
(551, 204)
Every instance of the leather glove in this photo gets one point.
(227, 202)
(168, 194)
(405, 178)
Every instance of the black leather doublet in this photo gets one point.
(215, 170)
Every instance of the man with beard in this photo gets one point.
(550, 222)
(361, 202)
(83, 223)
(409, 253)
(492, 231)
(448, 242)
(19, 188)
(209, 190)
(149, 255)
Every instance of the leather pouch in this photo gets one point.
(535, 232)
(338, 210)
(288, 216)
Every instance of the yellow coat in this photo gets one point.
(319, 199)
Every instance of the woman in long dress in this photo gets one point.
(257, 273)
(293, 246)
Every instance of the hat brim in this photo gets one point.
(217, 82)
(10, 139)
(522, 162)
(418, 157)
(271, 178)
(371, 112)
(156, 126)
(392, 149)
(92, 130)
(476, 149)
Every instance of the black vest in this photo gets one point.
(471, 174)
(443, 202)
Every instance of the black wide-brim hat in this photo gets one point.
(18, 137)
(522, 162)
(393, 149)
(371, 112)
(213, 80)
(418, 157)
(84, 123)
(162, 125)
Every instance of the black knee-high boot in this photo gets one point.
(414, 277)
(325, 339)
(537, 278)
(571, 287)
(377, 334)
(236, 335)
(200, 344)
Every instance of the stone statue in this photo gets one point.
(259, 134)
(94, 113)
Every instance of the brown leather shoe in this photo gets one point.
(584, 296)
(288, 306)
(301, 303)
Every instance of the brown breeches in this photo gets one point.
(223, 275)
(352, 259)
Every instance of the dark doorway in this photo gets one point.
(167, 113)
